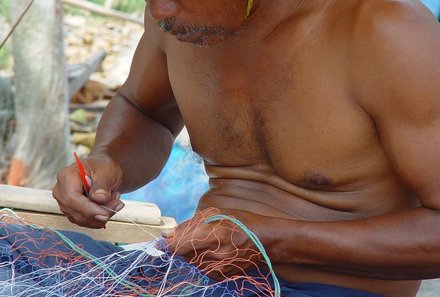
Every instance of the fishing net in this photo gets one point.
(182, 179)
(33, 121)
(7, 123)
(41, 99)
(37, 261)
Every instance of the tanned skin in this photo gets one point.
(318, 122)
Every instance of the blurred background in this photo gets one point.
(433, 5)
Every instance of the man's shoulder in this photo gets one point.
(371, 25)
(389, 8)
(382, 29)
(381, 16)
(394, 43)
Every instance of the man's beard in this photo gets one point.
(202, 35)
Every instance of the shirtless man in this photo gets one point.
(318, 122)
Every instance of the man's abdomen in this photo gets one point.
(258, 190)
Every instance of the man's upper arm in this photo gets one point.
(397, 82)
(148, 86)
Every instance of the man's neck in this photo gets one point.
(265, 15)
(294, 6)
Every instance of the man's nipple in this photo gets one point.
(316, 179)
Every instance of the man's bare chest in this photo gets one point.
(295, 117)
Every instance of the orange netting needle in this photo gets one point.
(83, 174)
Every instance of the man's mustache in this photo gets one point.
(167, 24)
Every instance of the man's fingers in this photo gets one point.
(64, 209)
(100, 195)
(115, 204)
(103, 196)
(102, 202)
(104, 186)
(80, 210)
(82, 204)
(168, 233)
(82, 220)
(56, 191)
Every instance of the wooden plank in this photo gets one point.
(38, 207)
(116, 232)
(79, 74)
(96, 106)
(36, 200)
(103, 11)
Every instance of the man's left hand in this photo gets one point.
(220, 249)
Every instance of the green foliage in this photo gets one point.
(5, 56)
(4, 9)
(128, 6)
(100, 2)
(4, 52)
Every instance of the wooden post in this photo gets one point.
(81, 72)
(42, 130)
(104, 11)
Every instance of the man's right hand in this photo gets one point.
(104, 200)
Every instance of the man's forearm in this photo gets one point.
(136, 142)
(398, 246)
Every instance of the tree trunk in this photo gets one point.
(41, 95)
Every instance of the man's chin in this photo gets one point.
(209, 43)
(200, 40)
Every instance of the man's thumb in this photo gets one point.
(168, 233)
(100, 191)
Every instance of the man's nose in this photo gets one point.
(161, 9)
